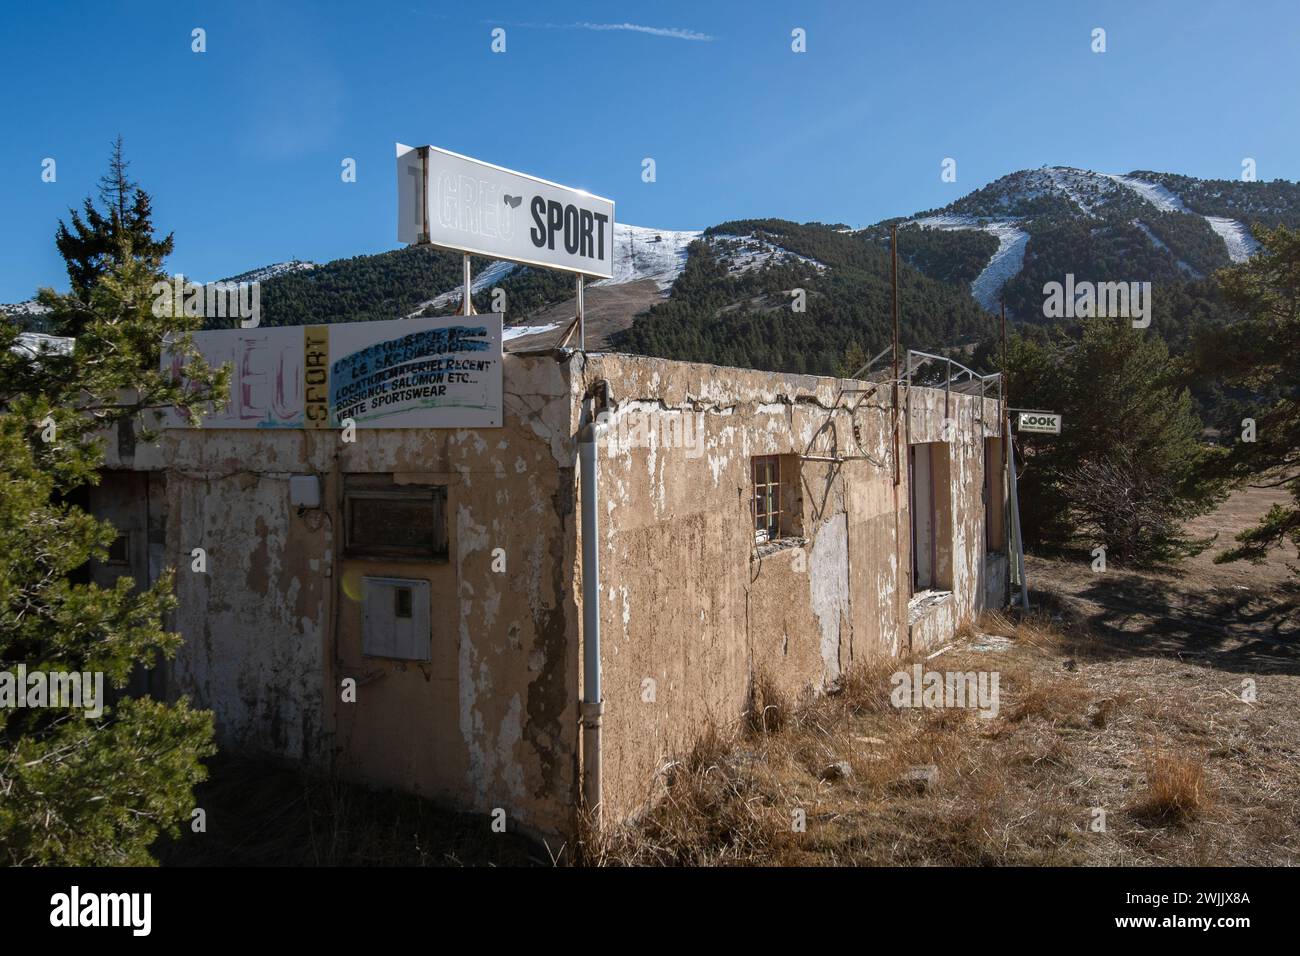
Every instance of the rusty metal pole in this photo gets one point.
(899, 598)
(1007, 518)
(893, 279)
(1004, 353)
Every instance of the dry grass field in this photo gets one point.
(1186, 772)
(1167, 699)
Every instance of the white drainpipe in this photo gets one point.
(592, 704)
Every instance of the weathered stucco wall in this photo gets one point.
(692, 610)
(273, 626)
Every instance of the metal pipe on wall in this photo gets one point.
(592, 702)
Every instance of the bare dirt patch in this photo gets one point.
(609, 309)
(1239, 616)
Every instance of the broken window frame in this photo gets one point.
(434, 495)
(766, 523)
(923, 532)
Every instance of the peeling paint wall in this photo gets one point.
(274, 625)
(691, 609)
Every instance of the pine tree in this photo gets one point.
(96, 242)
(852, 361)
(1261, 352)
(1127, 470)
(78, 788)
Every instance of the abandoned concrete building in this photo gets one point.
(540, 613)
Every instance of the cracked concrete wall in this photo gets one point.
(691, 608)
(274, 625)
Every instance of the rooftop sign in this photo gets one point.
(464, 204)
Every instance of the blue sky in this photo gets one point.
(241, 146)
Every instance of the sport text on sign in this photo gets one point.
(315, 375)
(1045, 423)
(460, 203)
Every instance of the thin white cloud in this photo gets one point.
(677, 33)
(674, 33)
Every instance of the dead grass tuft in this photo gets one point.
(1051, 625)
(865, 687)
(1059, 701)
(1177, 790)
(717, 809)
(768, 707)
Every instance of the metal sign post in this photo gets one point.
(1017, 535)
(582, 317)
(467, 303)
(1029, 421)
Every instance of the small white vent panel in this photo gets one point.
(395, 618)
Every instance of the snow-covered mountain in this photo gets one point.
(1179, 220)
(275, 270)
(1000, 242)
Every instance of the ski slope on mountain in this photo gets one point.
(32, 344)
(640, 252)
(1005, 263)
(1157, 195)
(485, 279)
(1164, 247)
(644, 253)
(1240, 243)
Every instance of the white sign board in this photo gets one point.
(410, 373)
(471, 206)
(1045, 423)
